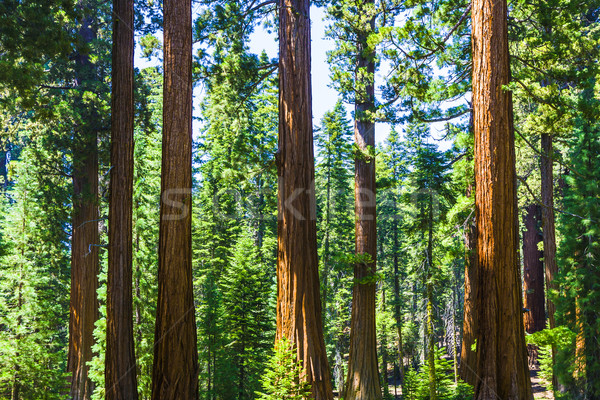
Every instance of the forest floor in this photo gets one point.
(539, 386)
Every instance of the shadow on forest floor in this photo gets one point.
(539, 386)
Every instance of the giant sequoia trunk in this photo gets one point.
(533, 272)
(549, 233)
(120, 371)
(547, 190)
(175, 369)
(298, 292)
(501, 355)
(363, 374)
(85, 238)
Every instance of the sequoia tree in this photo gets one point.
(175, 369)
(363, 374)
(120, 371)
(85, 237)
(298, 292)
(501, 354)
(533, 272)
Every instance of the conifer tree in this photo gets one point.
(501, 355)
(336, 231)
(298, 295)
(247, 295)
(121, 380)
(392, 170)
(579, 277)
(175, 364)
(33, 280)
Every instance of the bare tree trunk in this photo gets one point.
(175, 369)
(429, 288)
(397, 305)
(85, 237)
(298, 291)
(84, 271)
(533, 272)
(363, 374)
(384, 359)
(120, 366)
(549, 233)
(468, 355)
(501, 354)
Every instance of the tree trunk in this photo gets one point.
(501, 354)
(468, 355)
(84, 270)
(533, 272)
(363, 374)
(397, 305)
(85, 237)
(429, 288)
(326, 258)
(120, 366)
(175, 369)
(549, 233)
(384, 360)
(298, 291)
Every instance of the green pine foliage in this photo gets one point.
(34, 284)
(248, 315)
(335, 219)
(146, 195)
(579, 296)
(281, 379)
(563, 340)
(53, 107)
(417, 382)
(235, 205)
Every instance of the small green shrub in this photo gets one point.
(564, 340)
(281, 380)
(416, 384)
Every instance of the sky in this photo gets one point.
(324, 96)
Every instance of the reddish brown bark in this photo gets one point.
(468, 355)
(533, 272)
(549, 232)
(84, 273)
(298, 292)
(175, 369)
(580, 361)
(120, 366)
(548, 225)
(501, 354)
(85, 238)
(363, 373)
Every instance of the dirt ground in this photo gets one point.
(539, 386)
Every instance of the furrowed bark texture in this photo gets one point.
(362, 381)
(501, 354)
(120, 367)
(548, 226)
(533, 272)
(549, 232)
(175, 369)
(468, 355)
(85, 238)
(298, 291)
